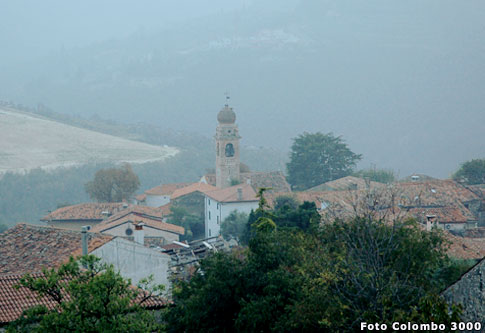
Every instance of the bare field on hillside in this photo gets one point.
(28, 142)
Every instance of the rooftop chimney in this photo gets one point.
(139, 233)
(239, 194)
(84, 239)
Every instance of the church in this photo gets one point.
(218, 194)
(236, 190)
(228, 164)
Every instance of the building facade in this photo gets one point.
(220, 203)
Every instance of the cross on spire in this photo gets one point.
(227, 97)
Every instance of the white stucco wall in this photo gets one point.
(157, 200)
(120, 231)
(216, 212)
(135, 261)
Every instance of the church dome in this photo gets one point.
(226, 116)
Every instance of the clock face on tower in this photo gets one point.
(229, 150)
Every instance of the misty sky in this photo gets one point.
(402, 82)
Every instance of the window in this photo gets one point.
(209, 215)
(217, 219)
(229, 150)
(209, 200)
(129, 232)
(209, 232)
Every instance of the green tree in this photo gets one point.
(377, 175)
(234, 224)
(326, 280)
(94, 299)
(113, 184)
(289, 200)
(372, 271)
(316, 158)
(471, 172)
(192, 223)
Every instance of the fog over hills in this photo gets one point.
(402, 82)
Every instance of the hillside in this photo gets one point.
(28, 142)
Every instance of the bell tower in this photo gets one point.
(227, 148)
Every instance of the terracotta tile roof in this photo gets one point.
(14, 301)
(28, 248)
(434, 192)
(141, 197)
(104, 226)
(230, 194)
(457, 214)
(85, 211)
(155, 212)
(195, 187)
(479, 190)
(465, 247)
(346, 183)
(171, 246)
(275, 180)
(166, 189)
(346, 204)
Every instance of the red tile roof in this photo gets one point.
(166, 189)
(434, 192)
(141, 197)
(155, 212)
(104, 226)
(27, 248)
(14, 301)
(85, 211)
(346, 183)
(273, 180)
(443, 198)
(465, 247)
(195, 187)
(230, 194)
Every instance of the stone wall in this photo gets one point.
(469, 291)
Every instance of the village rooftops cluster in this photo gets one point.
(448, 204)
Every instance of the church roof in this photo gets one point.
(226, 115)
(275, 181)
(236, 193)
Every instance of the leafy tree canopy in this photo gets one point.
(113, 184)
(94, 299)
(192, 223)
(325, 280)
(471, 172)
(316, 158)
(234, 224)
(377, 175)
